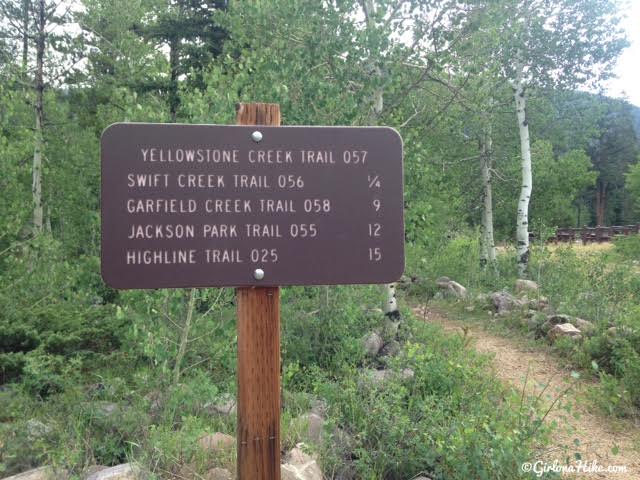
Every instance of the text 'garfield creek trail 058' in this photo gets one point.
(211, 205)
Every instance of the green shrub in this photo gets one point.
(628, 247)
(451, 421)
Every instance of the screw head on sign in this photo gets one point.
(258, 274)
(256, 136)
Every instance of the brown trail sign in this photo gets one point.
(255, 206)
(208, 205)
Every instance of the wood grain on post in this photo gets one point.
(258, 355)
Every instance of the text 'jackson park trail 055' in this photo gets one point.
(208, 205)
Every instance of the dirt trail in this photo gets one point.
(597, 434)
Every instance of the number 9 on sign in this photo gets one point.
(377, 204)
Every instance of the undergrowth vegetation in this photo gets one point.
(597, 283)
(89, 379)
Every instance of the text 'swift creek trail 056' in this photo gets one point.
(210, 205)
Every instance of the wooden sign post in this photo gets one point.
(258, 356)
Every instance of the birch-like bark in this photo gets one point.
(522, 232)
(488, 248)
(26, 11)
(377, 106)
(38, 140)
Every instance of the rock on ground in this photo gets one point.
(319, 407)
(504, 302)
(390, 349)
(566, 330)
(553, 320)
(91, 470)
(42, 473)
(541, 304)
(524, 286)
(373, 343)
(457, 290)
(378, 377)
(125, 471)
(315, 427)
(300, 466)
(216, 442)
(451, 288)
(37, 429)
(585, 326)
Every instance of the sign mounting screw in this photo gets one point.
(256, 136)
(258, 274)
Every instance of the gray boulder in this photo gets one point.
(372, 343)
(564, 330)
(42, 473)
(451, 288)
(314, 427)
(390, 349)
(457, 290)
(300, 466)
(125, 471)
(540, 304)
(504, 302)
(36, 429)
(553, 320)
(526, 286)
(319, 407)
(90, 470)
(378, 377)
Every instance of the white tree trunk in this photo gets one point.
(38, 140)
(377, 105)
(488, 248)
(522, 233)
(391, 306)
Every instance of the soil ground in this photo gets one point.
(592, 434)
